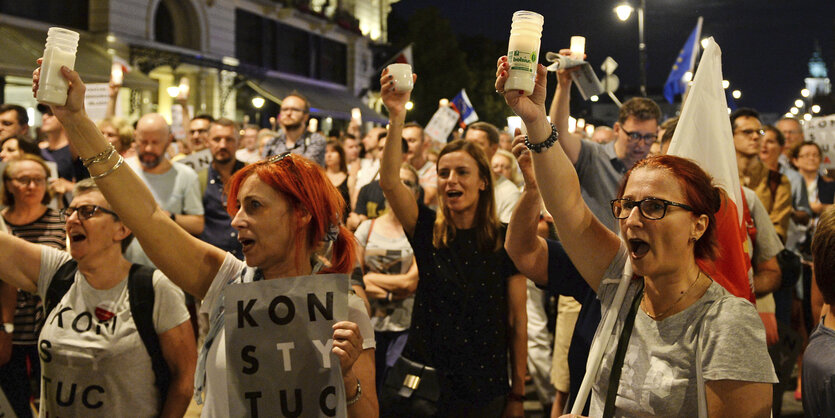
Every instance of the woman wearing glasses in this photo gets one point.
(94, 362)
(677, 326)
(284, 208)
(26, 215)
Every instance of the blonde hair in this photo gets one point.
(515, 175)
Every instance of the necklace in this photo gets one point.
(656, 316)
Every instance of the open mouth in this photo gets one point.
(454, 193)
(246, 243)
(77, 237)
(638, 248)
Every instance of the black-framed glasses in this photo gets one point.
(26, 180)
(85, 212)
(650, 208)
(637, 136)
(750, 132)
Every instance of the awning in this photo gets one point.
(324, 101)
(22, 48)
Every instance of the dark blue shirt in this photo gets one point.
(217, 228)
(68, 167)
(564, 279)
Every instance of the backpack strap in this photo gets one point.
(141, 297)
(63, 278)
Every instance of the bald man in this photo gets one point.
(174, 186)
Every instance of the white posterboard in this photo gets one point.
(442, 124)
(821, 130)
(95, 100)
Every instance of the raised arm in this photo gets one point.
(398, 196)
(588, 243)
(187, 261)
(528, 250)
(560, 110)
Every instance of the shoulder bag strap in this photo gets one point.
(141, 296)
(60, 284)
(617, 364)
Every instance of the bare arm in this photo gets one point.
(518, 335)
(560, 111)
(20, 262)
(403, 284)
(398, 196)
(529, 255)
(166, 245)
(767, 277)
(8, 301)
(193, 224)
(733, 398)
(430, 196)
(180, 353)
(357, 366)
(587, 242)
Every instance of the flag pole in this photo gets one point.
(696, 52)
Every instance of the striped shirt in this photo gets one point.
(28, 318)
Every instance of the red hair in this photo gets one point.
(309, 191)
(699, 192)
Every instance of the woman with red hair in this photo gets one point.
(673, 342)
(285, 211)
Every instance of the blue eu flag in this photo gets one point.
(675, 83)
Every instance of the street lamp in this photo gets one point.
(798, 103)
(624, 10)
(816, 108)
(736, 94)
(410, 105)
(804, 92)
(258, 103)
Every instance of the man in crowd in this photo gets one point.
(505, 141)
(249, 145)
(371, 202)
(772, 188)
(294, 137)
(174, 185)
(14, 122)
(70, 169)
(195, 141)
(416, 156)
(603, 135)
(792, 130)
(222, 142)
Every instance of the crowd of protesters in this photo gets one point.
(490, 261)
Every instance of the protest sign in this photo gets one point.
(197, 160)
(821, 130)
(441, 124)
(279, 338)
(96, 98)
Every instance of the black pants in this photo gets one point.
(14, 378)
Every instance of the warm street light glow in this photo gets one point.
(443, 102)
(704, 42)
(258, 102)
(789, 114)
(816, 109)
(807, 117)
(804, 92)
(726, 84)
(173, 91)
(798, 103)
(410, 105)
(736, 94)
(594, 98)
(623, 11)
(794, 111)
(688, 76)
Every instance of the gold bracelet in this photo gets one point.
(111, 170)
(100, 157)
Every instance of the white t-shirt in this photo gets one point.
(92, 365)
(506, 195)
(177, 191)
(217, 400)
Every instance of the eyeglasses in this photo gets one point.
(815, 156)
(650, 208)
(750, 132)
(636, 136)
(85, 212)
(25, 181)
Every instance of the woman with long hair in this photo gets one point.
(680, 343)
(285, 211)
(337, 171)
(469, 313)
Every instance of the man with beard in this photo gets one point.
(174, 185)
(218, 231)
(294, 137)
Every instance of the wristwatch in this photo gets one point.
(8, 327)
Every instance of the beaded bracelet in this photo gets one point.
(542, 146)
(100, 157)
(111, 170)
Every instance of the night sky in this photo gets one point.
(766, 44)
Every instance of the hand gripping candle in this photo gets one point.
(523, 50)
(61, 45)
